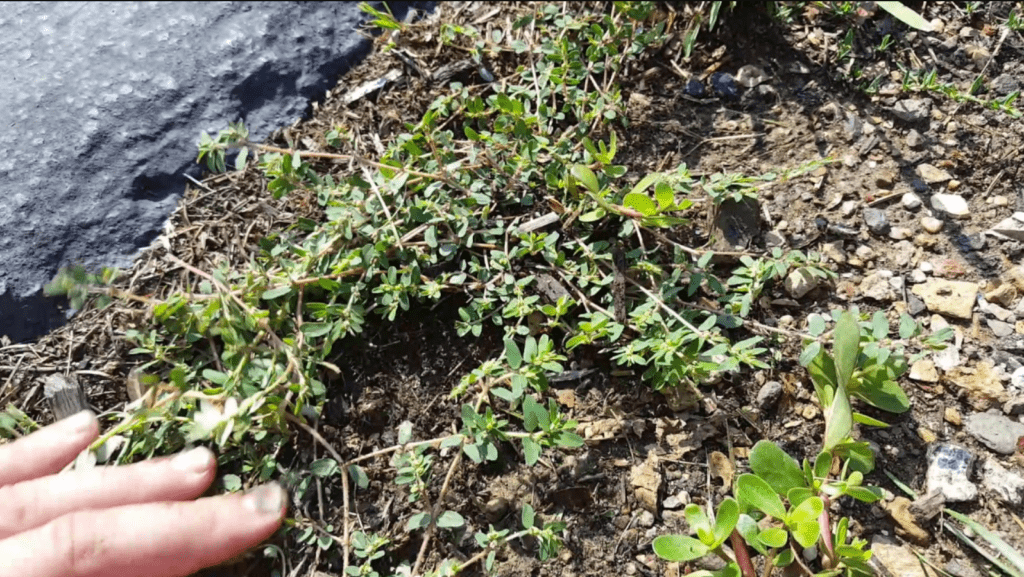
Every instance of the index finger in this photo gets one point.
(171, 539)
(48, 450)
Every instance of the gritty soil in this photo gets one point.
(807, 109)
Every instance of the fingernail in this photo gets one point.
(266, 499)
(80, 422)
(196, 461)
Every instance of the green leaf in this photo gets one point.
(569, 440)
(847, 347)
(679, 548)
(906, 15)
(748, 529)
(527, 516)
(815, 324)
(646, 182)
(725, 519)
(323, 467)
(533, 413)
(531, 450)
(886, 395)
(803, 521)
(231, 483)
(243, 154)
(512, 354)
(450, 520)
(908, 326)
(358, 476)
(773, 537)
(866, 420)
(586, 177)
(665, 196)
(775, 467)
(838, 419)
(313, 330)
(865, 494)
(417, 521)
(809, 353)
(879, 325)
(755, 492)
(699, 523)
(273, 293)
(822, 465)
(215, 377)
(641, 203)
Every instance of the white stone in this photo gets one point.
(911, 200)
(951, 204)
(1008, 486)
(954, 205)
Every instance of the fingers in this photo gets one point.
(170, 539)
(48, 450)
(29, 504)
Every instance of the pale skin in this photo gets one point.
(138, 520)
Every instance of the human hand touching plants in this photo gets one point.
(140, 519)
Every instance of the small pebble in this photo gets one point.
(900, 233)
(911, 201)
(953, 185)
(914, 139)
(1000, 200)
(931, 224)
(864, 252)
(952, 416)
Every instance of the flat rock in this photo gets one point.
(951, 204)
(948, 297)
(933, 175)
(1011, 227)
(876, 221)
(799, 282)
(913, 109)
(949, 469)
(898, 559)
(1006, 485)
(996, 432)
(876, 286)
(981, 384)
(924, 371)
(102, 106)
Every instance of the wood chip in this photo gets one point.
(65, 395)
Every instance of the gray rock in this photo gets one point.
(933, 175)
(1011, 227)
(876, 286)
(999, 328)
(914, 139)
(645, 519)
(949, 469)
(102, 105)
(769, 395)
(913, 109)
(1014, 406)
(996, 432)
(915, 306)
(1004, 84)
(1006, 485)
(876, 221)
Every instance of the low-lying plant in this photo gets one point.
(783, 507)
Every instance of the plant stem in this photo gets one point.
(739, 549)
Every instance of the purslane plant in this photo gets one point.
(782, 507)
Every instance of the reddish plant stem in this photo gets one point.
(739, 549)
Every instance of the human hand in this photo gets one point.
(139, 519)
